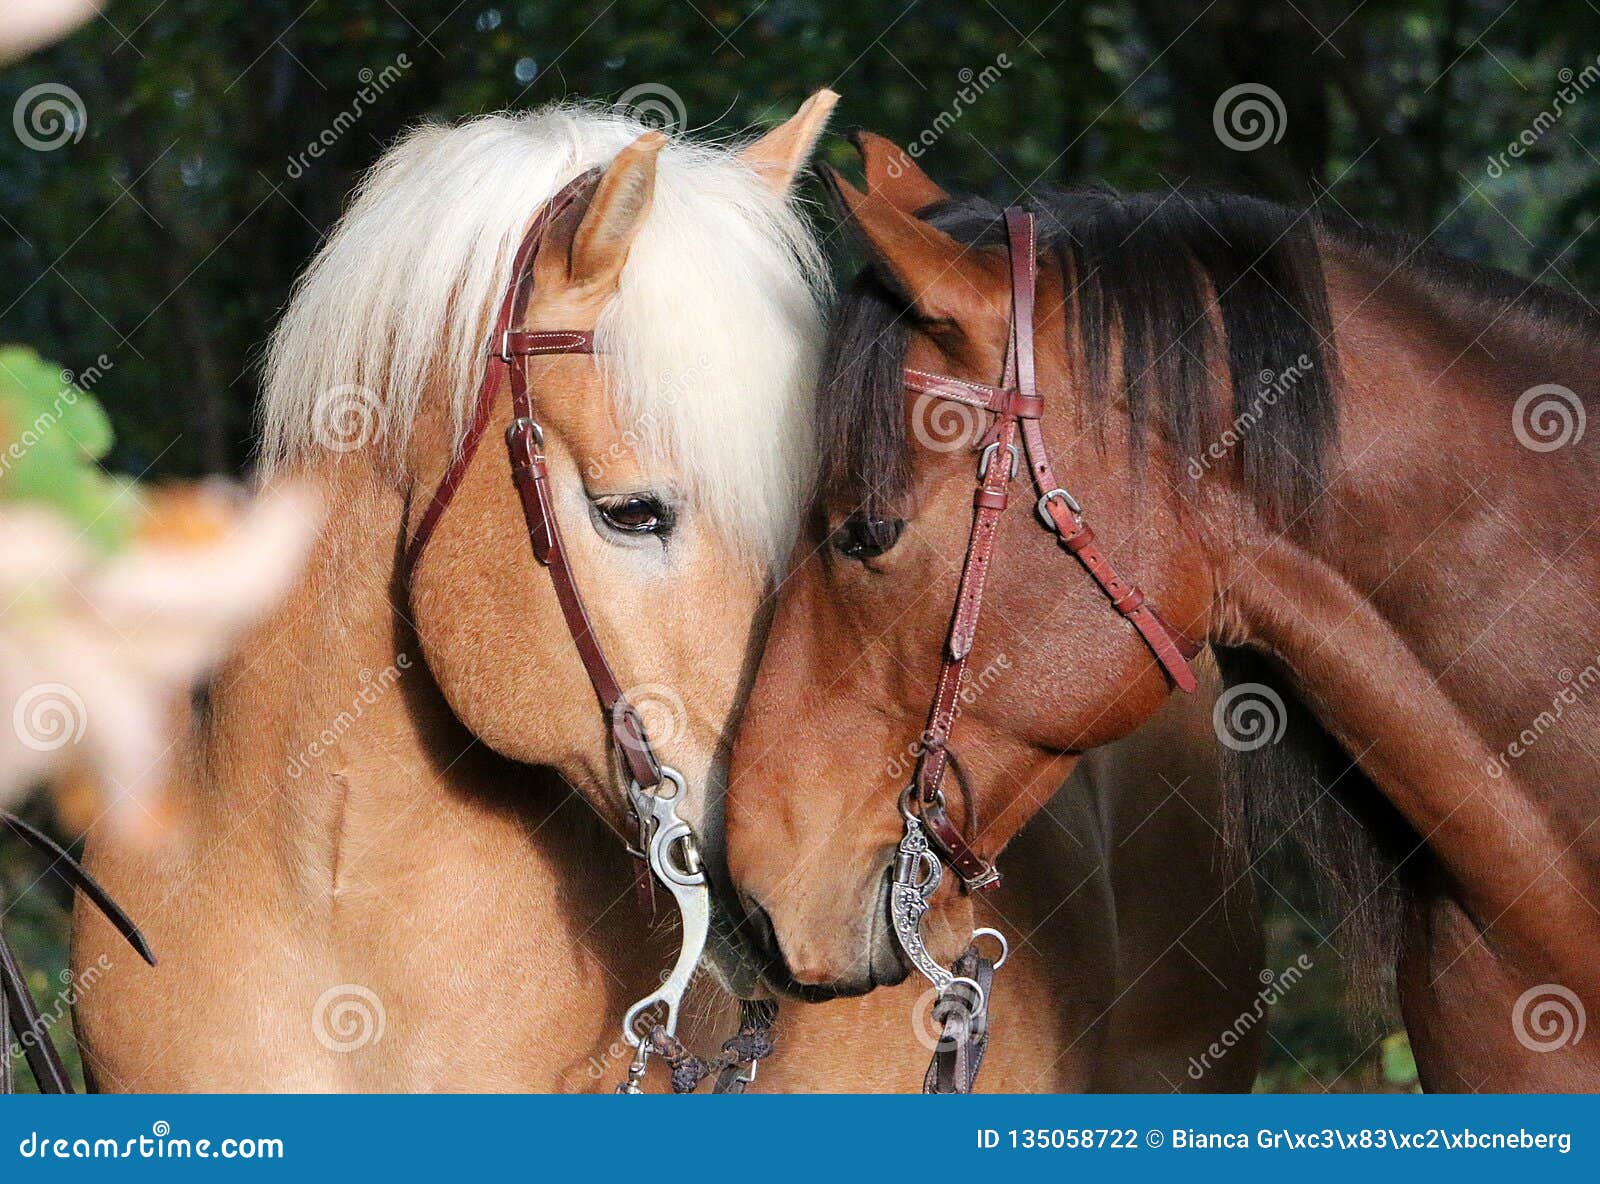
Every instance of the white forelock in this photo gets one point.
(711, 343)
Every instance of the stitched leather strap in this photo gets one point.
(1018, 408)
(524, 440)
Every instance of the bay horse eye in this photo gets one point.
(861, 536)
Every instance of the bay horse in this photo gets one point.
(397, 862)
(1354, 467)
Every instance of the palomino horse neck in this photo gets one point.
(356, 883)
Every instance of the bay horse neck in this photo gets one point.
(1425, 607)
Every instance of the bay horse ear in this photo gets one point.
(937, 275)
(893, 175)
(781, 154)
(590, 243)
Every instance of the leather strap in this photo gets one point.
(17, 1010)
(509, 348)
(964, 1038)
(1018, 408)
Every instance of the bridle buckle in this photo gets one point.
(1043, 508)
(987, 457)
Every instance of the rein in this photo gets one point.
(17, 1010)
(930, 833)
(666, 847)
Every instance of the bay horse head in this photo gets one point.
(1125, 339)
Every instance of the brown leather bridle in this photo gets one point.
(651, 781)
(1018, 407)
(525, 443)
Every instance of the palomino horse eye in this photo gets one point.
(861, 536)
(636, 513)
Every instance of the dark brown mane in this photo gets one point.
(1177, 280)
(1147, 270)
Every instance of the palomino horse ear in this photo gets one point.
(934, 272)
(780, 154)
(600, 241)
(893, 175)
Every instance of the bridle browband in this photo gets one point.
(666, 847)
(1018, 408)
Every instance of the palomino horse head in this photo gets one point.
(864, 614)
(677, 450)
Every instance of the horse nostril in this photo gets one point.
(759, 933)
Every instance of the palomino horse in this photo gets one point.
(371, 888)
(1350, 465)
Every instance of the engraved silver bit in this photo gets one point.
(916, 878)
(917, 873)
(674, 860)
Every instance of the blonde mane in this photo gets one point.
(712, 341)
